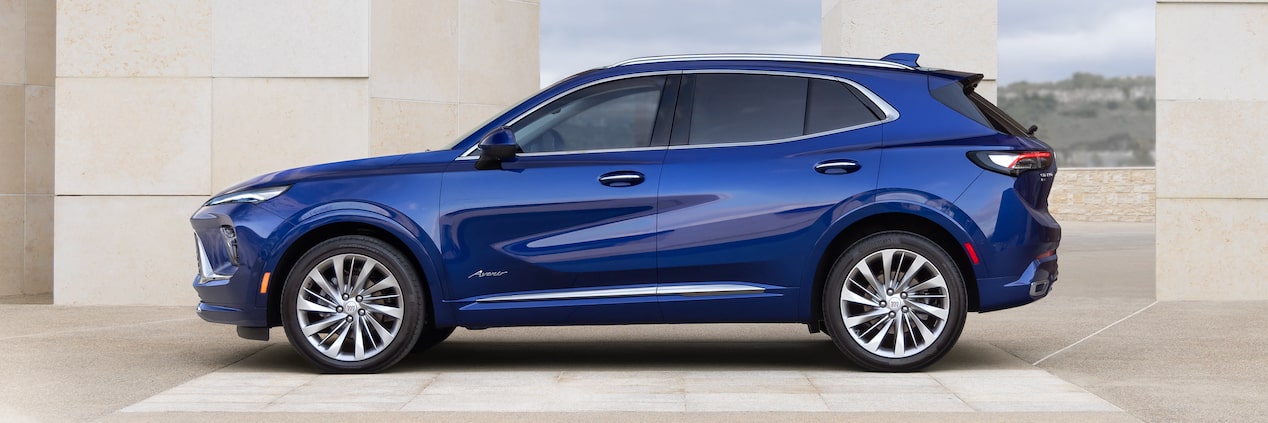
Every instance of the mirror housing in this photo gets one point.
(495, 148)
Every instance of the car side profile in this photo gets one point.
(877, 201)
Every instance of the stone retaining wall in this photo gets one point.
(1120, 194)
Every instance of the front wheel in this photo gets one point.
(895, 302)
(353, 304)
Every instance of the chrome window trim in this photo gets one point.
(891, 114)
(467, 155)
(690, 290)
(768, 57)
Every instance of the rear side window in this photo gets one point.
(835, 105)
(732, 108)
(743, 108)
(975, 107)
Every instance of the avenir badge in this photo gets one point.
(484, 274)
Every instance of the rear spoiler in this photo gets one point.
(968, 80)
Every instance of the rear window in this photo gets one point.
(975, 107)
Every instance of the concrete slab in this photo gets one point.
(975, 377)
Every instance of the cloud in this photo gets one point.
(1050, 40)
(582, 34)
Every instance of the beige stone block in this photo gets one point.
(291, 38)
(124, 136)
(1201, 242)
(38, 260)
(1212, 149)
(830, 28)
(950, 35)
(103, 38)
(102, 256)
(399, 127)
(499, 58)
(987, 88)
(41, 41)
(39, 139)
(267, 124)
(414, 50)
(1215, 62)
(11, 217)
(12, 41)
(12, 138)
(472, 115)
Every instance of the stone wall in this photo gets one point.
(161, 104)
(1212, 142)
(26, 146)
(1123, 194)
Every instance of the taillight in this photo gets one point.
(1011, 162)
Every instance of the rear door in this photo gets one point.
(759, 166)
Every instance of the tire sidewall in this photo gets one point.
(412, 300)
(946, 266)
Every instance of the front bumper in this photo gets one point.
(235, 259)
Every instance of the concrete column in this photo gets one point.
(166, 103)
(1212, 149)
(26, 146)
(958, 35)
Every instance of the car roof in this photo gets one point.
(766, 58)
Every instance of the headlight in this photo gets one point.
(250, 196)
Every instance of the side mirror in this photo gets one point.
(495, 148)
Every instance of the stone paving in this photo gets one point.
(1012, 387)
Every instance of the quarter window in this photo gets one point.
(731, 108)
(618, 114)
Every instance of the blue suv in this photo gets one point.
(875, 200)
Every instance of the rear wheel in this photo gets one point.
(894, 301)
(353, 304)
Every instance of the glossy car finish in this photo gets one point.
(670, 232)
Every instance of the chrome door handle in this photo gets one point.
(837, 167)
(621, 179)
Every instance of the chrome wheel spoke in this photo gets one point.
(314, 328)
(390, 311)
(306, 305)
(323, 284)
(910, 273)
(384, 335)
(934, 282)
(366, 268)
(387, 283)
(850, 296)
(358, 351)
(900, 337)
(940, 313)
(862, 269)
(853, 321)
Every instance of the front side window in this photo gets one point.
(610, 115)
(729, 108)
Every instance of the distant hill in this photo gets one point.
(1089, 119)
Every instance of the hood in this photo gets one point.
(359, 167)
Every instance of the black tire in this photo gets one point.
(431, 337)
(889, 313)
(405, 298)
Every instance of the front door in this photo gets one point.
(564, 232)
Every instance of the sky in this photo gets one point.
(1039, 40)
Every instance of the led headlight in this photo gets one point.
(249, 196)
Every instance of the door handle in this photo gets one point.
(837, 167)
(623, 178)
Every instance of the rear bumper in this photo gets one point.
(1034, 283)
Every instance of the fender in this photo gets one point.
(394, 223)
(938, 210)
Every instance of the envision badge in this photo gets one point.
(482, 274)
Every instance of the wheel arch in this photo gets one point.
(916, 219)
(308, 234)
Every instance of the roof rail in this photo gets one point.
(774, 57)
